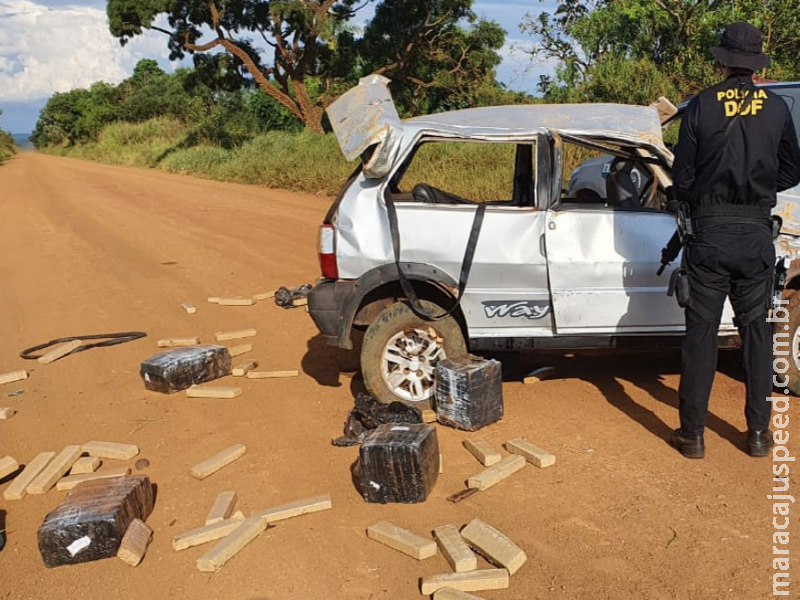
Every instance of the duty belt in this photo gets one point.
(686, 227)
(698, 223)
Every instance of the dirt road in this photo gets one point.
(86, 248)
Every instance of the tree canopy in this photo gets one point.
(434, 63)
(208, 99)
(635, 50)
(288, 47)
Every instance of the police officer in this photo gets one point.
(737, 148)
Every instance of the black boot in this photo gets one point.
(690, 445)
(759, 442)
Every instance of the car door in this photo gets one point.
(602, 266)
(507, 291)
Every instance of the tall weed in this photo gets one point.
(296, 161)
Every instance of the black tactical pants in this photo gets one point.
(734, 259)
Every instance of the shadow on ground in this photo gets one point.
(607, 370)
(326, 364)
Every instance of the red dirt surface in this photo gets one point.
(86, 248)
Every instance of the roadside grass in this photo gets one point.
(129, 144)
(295, 161)
(7, 147)
(472, 171)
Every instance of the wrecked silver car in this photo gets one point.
(536, 269)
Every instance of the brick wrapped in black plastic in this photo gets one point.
(469, 392)
(398, 463)
(91, 521)
(181, 368)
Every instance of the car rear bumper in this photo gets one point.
(326, 302)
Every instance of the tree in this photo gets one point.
(77, 116)
(667, 40)
(269, 114)
(296, 30)
(433, 61)
(147, 93)
(208, 100)
(7, 145)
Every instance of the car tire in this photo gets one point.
(793, 373)
(400, 352)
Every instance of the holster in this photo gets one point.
(777, 282)
(679, 287)
(777, 225)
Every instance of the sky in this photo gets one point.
(49, 46)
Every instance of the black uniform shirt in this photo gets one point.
(737, 148)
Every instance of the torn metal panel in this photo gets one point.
(366, 116)
(666, 109)
(787, 245)
(664, 178)
(788, 209)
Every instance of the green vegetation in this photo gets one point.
(477, 172)
(424, 46)
(7, 146)
(241, 115)
(636, 50)
(234, 116)
(208, 100)
(298, 161)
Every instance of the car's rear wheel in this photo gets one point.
(400, 352)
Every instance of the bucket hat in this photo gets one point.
(740, 48)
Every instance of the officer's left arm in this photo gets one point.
(788, 156)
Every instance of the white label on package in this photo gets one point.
(400, 429)
(79, 545)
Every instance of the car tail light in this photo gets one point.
(327, 252)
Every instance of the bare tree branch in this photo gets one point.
(202, 47)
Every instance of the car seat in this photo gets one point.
(620, 189)
(428, 194)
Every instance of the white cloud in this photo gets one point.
(56, 49)
(519, 70)
(49, 46)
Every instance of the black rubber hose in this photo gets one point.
(111, 339)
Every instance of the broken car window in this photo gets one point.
(446, 172)
(597, 179)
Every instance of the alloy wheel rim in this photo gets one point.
(408, 363)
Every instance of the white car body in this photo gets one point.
(547, 274)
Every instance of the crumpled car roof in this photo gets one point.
(365, 116)
(637, 124)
